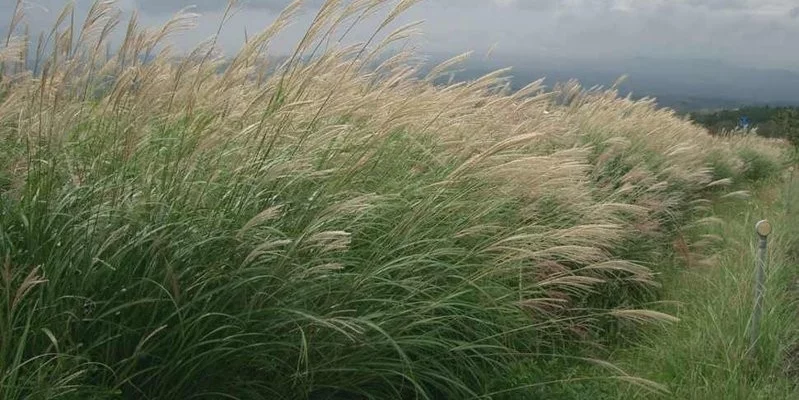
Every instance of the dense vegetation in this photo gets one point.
(183, 229)
(701, 357)
(772, 122)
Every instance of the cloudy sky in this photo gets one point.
(762, 33)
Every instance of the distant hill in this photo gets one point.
(682, 84)
(686, 85)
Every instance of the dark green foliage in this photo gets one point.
(773, 122)
(154, 291)
(786, 124)
(757, 166)
(721, 167)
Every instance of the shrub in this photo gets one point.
(758, 166)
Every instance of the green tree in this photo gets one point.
(786, 123)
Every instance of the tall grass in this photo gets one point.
(709, 354)
(215, 227)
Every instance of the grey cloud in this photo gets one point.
(539, 5)
(157, 7)
(720, 4)
(759, 32)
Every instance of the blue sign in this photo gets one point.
(743, 122)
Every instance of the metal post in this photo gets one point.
(763, 229)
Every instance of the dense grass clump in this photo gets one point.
(195, 227)
(709, 354)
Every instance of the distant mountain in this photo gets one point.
(682, 84)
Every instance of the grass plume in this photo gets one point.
(195, 227)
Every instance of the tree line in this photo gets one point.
(767, 121)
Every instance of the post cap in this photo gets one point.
(763, 228)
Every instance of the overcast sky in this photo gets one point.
(762, 33)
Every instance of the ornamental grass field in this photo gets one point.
(334, 226)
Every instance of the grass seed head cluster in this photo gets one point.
(333, 225)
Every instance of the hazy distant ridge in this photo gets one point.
(677, 83)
